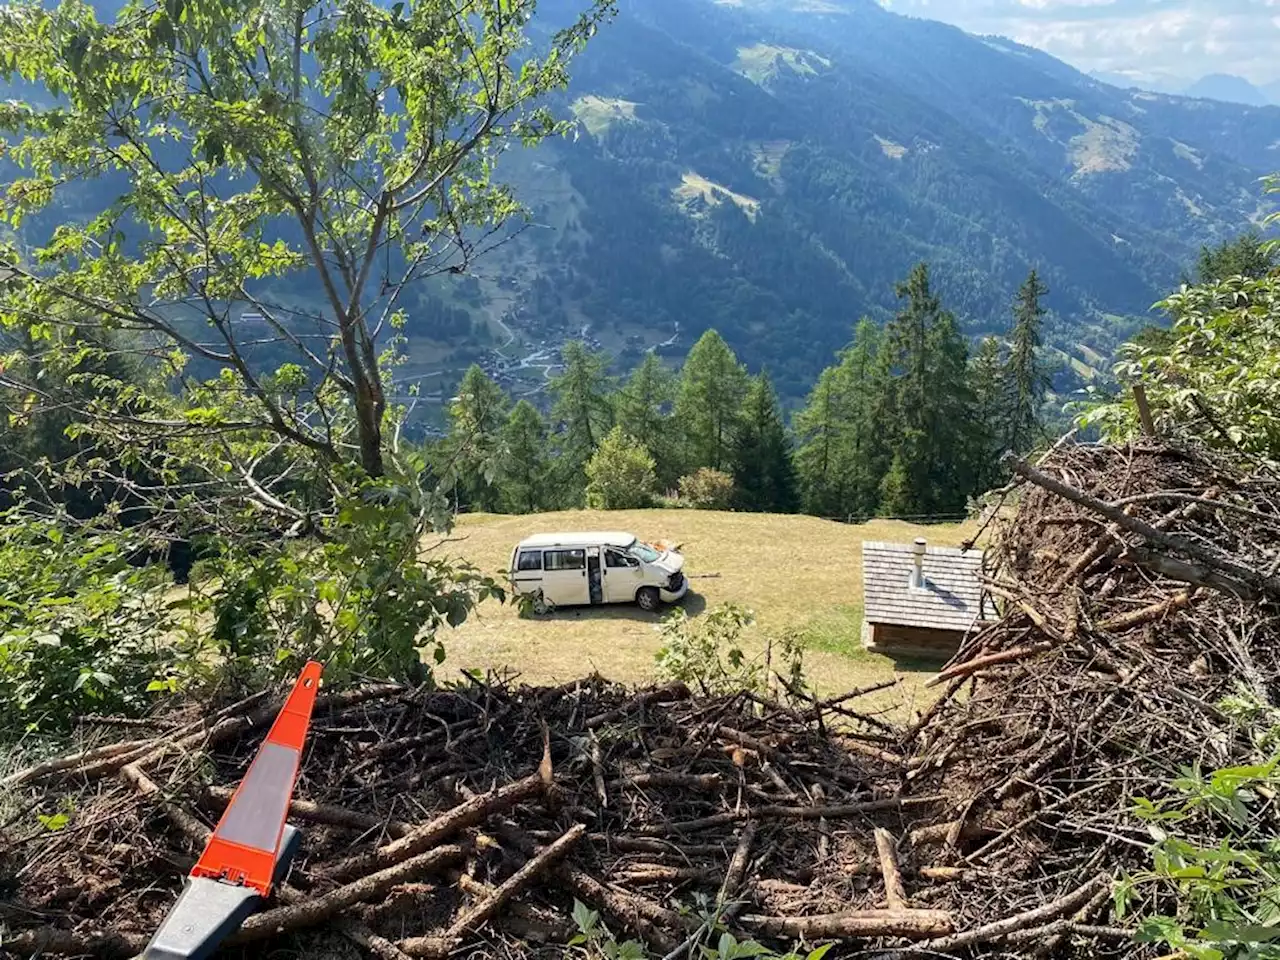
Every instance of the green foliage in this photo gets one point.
(474, 446)
(581, 414)
(524, 473)
(1248, 255)
(713, 385)
(345, 149)
(707, 653)
(595, 941)
(986, 374)
(842, 455)
(642, 407)
(1025, 379)
(620, 474)
(1213, 859)
(368, 599)
(762, 467)
(81, 630)
(1218, 375)
(707, 489)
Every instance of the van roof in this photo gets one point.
(590, 539)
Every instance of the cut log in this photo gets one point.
(895, 894)
(911, 924)
(466, 814)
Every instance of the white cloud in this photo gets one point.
(1178, 38)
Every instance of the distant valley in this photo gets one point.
(772, 168)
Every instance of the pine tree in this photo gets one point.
(523, 478)
(472, 448)
(1025, 378)
(712, 387)
(986, 376)
(643, 409)
(762, 470)
(581, 415)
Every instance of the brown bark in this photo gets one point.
(894, 893)
(990, 660)
(308, 913)
(910, 924)
(196, 831)
(672, 691)
(466, 814)
(97, 943)
(481, 912)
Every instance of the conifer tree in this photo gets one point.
(523, 478)
(642, 407)
(842, 453)
(713, 385)
(930, 413)
(472, 448)
(820, 431)
(762, 471)
(864, 454)
(986, 374)
(1026, 382)
(581, 414)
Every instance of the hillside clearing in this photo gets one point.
(796, 573)
(695, 193)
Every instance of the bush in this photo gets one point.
(81, 630)
(706, 653)
(620, 474)
(707, 489)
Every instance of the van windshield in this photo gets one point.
(643, 551)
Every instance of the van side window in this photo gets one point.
(615, 558)
(529, 560)
(564, 559)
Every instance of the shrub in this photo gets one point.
(707, 489)
(620, 474)
(707, 653)
(81, 630)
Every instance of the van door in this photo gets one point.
(564, 576)
(622, 576)
(527, 575)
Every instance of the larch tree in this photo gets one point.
(582, 412)
(819, 462)
(763, 474)
(642, 407)
(1025, 378)
(473, 447)
(986, 375)
(708, 407)
(523, 476)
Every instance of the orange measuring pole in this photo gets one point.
(246, 842)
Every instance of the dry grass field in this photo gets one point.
(796, 573)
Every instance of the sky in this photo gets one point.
(1146, 40)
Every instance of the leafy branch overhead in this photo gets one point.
(236, 143)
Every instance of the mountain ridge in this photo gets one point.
(772, 169)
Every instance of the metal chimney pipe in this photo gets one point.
(917, 571)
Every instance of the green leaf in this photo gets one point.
(55, 822)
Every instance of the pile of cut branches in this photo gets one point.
(1138, 588)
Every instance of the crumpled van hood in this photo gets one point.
(669, 563)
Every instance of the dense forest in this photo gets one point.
(904, 423)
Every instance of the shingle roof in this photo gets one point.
(952, 593)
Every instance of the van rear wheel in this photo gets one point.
(648, 598)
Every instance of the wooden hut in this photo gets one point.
(920, 600)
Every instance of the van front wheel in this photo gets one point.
(648, 598)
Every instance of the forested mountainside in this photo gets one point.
(770, 169)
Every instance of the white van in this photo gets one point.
(562, 569)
